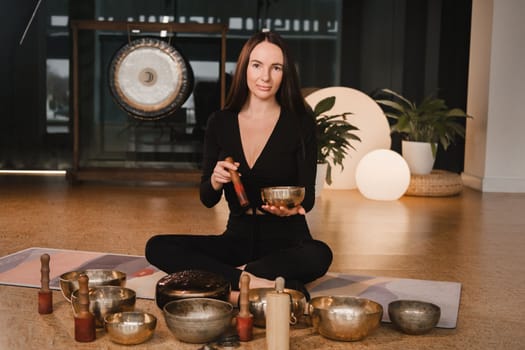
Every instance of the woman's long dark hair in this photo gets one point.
(289, 94)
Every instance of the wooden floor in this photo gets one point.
(477, 239)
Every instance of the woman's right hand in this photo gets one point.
(221, 174)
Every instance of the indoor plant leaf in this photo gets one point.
(430, 121)
(334, 133)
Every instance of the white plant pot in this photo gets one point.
(418, 156)
(320, 178)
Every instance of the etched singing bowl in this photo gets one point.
(283, 196)
(344, 318)
(257, 298)
(97, 277)
(413, 316)
(198, 320)
(105, 300)
(130, 327)
(191, 284)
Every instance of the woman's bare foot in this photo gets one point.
(234, 298)
(258, 282)
(255, 282)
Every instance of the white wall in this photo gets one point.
(495, 142)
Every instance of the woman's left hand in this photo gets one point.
(284, 211)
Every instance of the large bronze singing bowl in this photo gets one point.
(191, 284)
(97, 277)
(198, 320)
(345, 318)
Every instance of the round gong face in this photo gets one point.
(150, 79)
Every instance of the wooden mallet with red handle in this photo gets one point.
(237, 185)
(45, 296)
(245, 318)
(85, 330)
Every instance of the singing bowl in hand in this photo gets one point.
(283, 196)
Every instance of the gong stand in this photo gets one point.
(78, 173)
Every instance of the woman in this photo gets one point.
(270, 133)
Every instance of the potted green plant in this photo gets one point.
(422, 127)
(334, 134)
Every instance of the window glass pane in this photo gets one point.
(111, 137)
(57, 102)
(57, 68)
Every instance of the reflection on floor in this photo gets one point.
(475, 238)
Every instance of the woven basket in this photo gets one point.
(439, 183)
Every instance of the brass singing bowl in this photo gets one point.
(257, 301)
(414, 317)
(105, 300)
(130, 327)
(97, 277)
(283, 196)
(198, 320)
(191, 284)
(345, 318)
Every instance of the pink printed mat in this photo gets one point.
(23, 269)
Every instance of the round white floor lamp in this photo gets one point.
(366, 115)
(382, 175)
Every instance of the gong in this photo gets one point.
(149, 78)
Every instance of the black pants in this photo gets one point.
(270, 246)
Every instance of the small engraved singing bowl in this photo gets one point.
(283, 196)
(130, 328)
(97, 277)
(105, 300)
(414, 317)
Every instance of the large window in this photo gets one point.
(41, 113)
(111, 137)
(378, 45)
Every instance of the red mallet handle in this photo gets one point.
(45, 296)
(245, 318)
(238, 186)
(85, 330)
